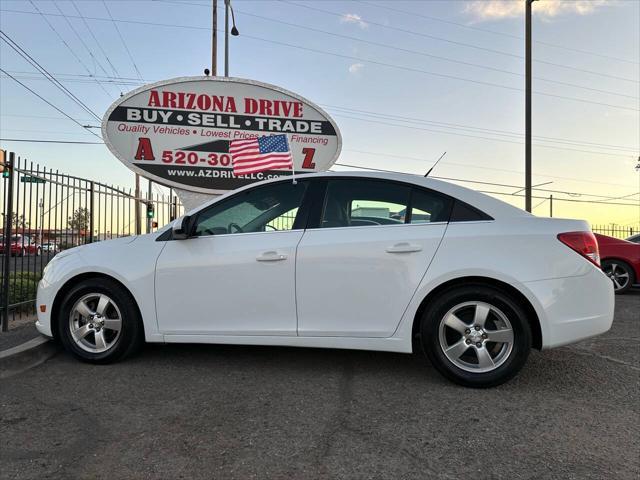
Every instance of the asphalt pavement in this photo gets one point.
(194, 411)
(28, 263)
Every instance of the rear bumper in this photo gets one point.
(574, 308)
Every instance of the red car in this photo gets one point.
(22, 245)
(620, 260)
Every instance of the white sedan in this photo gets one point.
(339, 260)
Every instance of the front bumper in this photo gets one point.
(574, 308)
(45, 296)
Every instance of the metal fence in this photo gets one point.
(45, 211)
(615, 231)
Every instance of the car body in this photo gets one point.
(620, 261)
(634, 238)
(224, 273)
(50, 247)
(22, 245)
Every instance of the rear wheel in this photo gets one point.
(620, 274)
(99, 322)
(476, 335)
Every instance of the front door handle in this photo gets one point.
(404, 247)
(271, 256)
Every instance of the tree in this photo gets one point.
(18, 222)
(79, 220)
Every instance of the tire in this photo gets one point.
(620, 273)
(101, 339)
(450, 321)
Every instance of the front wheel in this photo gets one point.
(477, 336)
(99, 322)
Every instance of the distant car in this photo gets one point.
(50, 247)
(634, 238)
(22, 245)
(620, 260)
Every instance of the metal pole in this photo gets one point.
(551, 205)
(137, 206)
(8, 217)
(214, 38)
(41, 205)
(527, 107)
(91, 208)
(226, 38)
(149, 220)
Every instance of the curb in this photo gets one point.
(27, 355)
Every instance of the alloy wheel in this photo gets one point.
(476, 336)
(618, 275)
(95, 323)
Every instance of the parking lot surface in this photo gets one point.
(193, 412)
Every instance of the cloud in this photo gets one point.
(485, 10)
(356, 67)
(355, 19)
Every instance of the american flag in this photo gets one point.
(260, 154)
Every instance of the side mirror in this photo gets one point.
(181, 228)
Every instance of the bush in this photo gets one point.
(23, 286)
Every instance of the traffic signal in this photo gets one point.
(4, 164)
(150, 211)
(154, 224)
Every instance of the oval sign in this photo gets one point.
(179, 132)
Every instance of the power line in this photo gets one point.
(121, 39)
(18, 49)
(90, 30)
(473, 128)
(416, 52)
(436, 74)
(208, 29)
(479, 182)
(49, 103)
(67, 45)
(73, 29)
(80, 80)
(466, 165)
(442, 39)
(485, 183)
(494, 32)
(479, 136)
(406, 50)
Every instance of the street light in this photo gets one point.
(234, 32)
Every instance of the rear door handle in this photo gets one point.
(404, 247)
(271, 256)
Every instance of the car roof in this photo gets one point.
(489, 205)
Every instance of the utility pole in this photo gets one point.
(527, 107)
(214, 39)
(226, 38)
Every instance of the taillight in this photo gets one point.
(585, 243)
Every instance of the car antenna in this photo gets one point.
(434, 165)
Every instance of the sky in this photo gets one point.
(404, 80)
